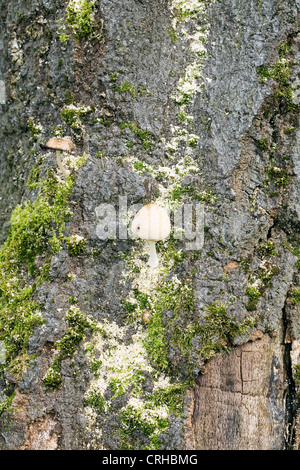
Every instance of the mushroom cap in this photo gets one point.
(60, 143)
(152, 222)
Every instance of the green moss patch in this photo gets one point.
(178, 331)
(78, 323)
(126, 87)
(297, 374)
(76, 245)
(142, 134)
(261, 277)
(35, 234)
(296, 295)
(280, 72)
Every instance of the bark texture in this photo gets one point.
(193, 104)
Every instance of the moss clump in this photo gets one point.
(73, 115)
(171, 250)
(134, 424)
(63, 35)
(118, 387)
(171, 397)
(264, 144)
(261, 278)
(179, 191)
(297, 374)
(253, 293)
(125, 370)
(289, 130)
(5, 404)
(172, 33)
(80, 18)
(95, 399)
(140, 167)
(35, 128)
(245, 263)
(140, 301)
(182, 116)
(276, 177)
(296, 295)
(142, 298)
(78, 323)
(76, 245)
(173, 296)
(267, 249)
(267, 273)
(141, 428)
(186, 11)
(35, 234)
(129, 306)
(52, 379)
(220, 329)
(70, 341)
(192, 142)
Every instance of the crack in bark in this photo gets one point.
(290, 395)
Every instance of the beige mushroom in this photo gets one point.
(61, 144)
(151, 223)
(146, 316)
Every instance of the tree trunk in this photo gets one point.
(190, 104)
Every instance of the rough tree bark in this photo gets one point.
(191, 104)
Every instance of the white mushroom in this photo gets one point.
(61, 144)
(151, 223)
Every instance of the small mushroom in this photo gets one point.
(61, 144)
(151, 223)
(146, 316)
